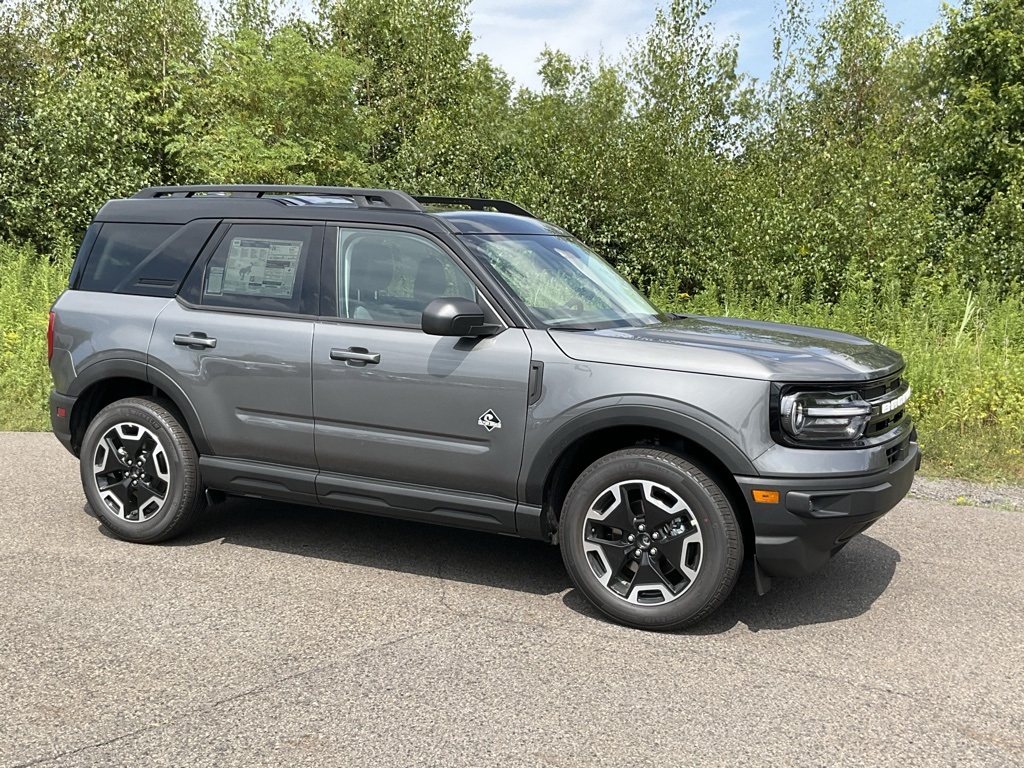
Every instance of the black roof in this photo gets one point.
(178, 205)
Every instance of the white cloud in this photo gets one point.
(514, 34)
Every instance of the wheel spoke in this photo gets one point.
(647, 575)
(110, 461)
(612, 509)
(660, 506)
(675, 549)
(119, 490)
(145, 493)
(613, 554)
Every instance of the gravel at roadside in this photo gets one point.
(965, 493)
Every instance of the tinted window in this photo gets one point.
(258, 266)
(119, 249)
(390, 277)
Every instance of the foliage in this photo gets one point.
(274, 110)
(872, 182)
(964, 350)
(28, 286)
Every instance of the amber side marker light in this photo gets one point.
(766, 497)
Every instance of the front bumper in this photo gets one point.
(814, 519)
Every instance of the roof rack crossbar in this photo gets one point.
(364, 198)
(475, 204)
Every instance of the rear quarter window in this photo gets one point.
(118, 250)
(141, 259)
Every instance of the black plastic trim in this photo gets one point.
(111, 368)
(259, 479)
(413, 502)
(475, 204)
(536, 387)
(815, 518)
(363, 197)
(62, 426)
(533, 479)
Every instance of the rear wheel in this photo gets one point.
(650, 539)
(140, 471)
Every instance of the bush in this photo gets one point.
(964, 350)
(28, 285)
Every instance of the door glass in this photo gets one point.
(389, 277)
(258, 266)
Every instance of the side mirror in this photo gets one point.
(454, 316)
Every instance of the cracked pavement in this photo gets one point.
(283, 635)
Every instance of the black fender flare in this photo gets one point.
(128, 368)
(534, 476)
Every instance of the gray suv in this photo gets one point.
(458, 361)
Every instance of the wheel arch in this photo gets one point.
(103, 383)
(580, 442)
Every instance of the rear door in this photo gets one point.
(237, 341)
(422, 426)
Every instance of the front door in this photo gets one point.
(408, 424)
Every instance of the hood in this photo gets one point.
(725, 346)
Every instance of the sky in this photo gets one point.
(514, 33)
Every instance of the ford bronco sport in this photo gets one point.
(458, 361)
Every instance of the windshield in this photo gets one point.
(562, 283)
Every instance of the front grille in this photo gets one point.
(888, 399)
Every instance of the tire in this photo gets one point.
(140, 471)
(650, 539)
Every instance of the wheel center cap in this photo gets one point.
(644, 541)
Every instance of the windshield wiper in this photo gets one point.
(558, 327)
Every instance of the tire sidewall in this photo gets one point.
(145, 414)
(708, 513)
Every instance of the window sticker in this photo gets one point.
(261, 267)
(215, 282)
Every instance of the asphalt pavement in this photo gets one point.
(279, 635)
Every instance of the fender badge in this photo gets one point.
(489, 421)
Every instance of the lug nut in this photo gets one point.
(638, 553)
(655, 535)
(641, 527)
(654, 551)
(631, 538)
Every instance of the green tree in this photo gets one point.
(978, 149)
(275, 110)
(95, 82)
(415, 62)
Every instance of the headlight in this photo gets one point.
(824, 416)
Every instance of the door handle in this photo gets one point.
(194, 339)
(356, 356)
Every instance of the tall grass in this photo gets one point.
(28, 285)
(964, 350)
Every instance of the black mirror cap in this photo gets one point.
(455, 316)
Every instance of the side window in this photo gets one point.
(118, 250)
(258, 266)
(389, 277)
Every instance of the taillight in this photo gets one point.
(49, 338)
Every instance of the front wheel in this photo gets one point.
(140, 471)
(650, 539)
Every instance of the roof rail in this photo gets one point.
(475, 204)
(364, 198)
